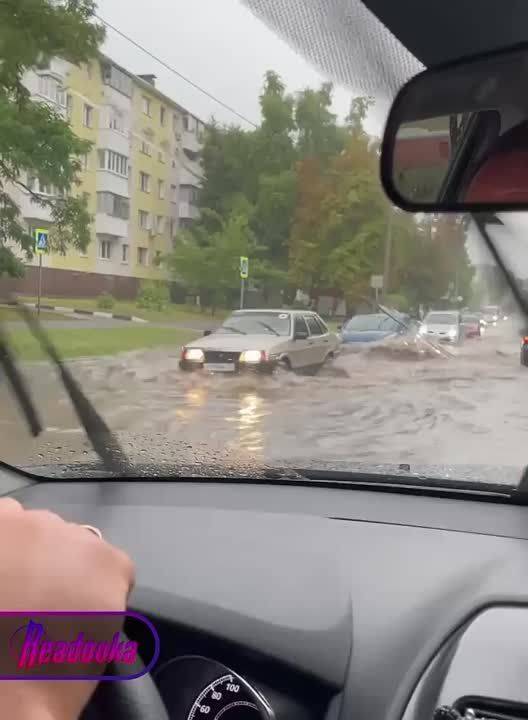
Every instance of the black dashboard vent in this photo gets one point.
(481, 708)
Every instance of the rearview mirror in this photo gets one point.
(457, 137)
(207, 332)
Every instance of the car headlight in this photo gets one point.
(252, 356)
(452, 333)
(495, 318)
(194, 354)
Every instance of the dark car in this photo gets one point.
(375, 327)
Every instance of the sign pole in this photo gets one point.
(244, 273)
(41, 246)
(39, 284)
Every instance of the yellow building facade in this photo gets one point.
(140, 178)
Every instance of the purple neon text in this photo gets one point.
(38, 651)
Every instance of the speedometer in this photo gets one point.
(227, 698)
(197, 688)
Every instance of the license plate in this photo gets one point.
(220, 367)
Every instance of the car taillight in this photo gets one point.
(525, 340)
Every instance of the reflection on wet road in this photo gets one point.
(373, 406)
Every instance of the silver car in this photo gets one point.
(444, 325)
(260, 340)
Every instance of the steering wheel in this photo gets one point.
(137, 699)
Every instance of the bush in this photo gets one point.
(153, 295)
(105, 301)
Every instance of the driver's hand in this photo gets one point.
(47, 563)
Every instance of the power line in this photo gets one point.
(175, 72)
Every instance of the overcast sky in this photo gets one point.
(220, 45)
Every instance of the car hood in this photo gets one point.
(237, 343)
(366, 335)
(439, 328)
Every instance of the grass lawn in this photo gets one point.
(172, 313)
(80, 342)
(8, 314)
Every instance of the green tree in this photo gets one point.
(34, 139)
(208, 261)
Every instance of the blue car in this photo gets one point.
(375, 327)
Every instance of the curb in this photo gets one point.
(80, 311)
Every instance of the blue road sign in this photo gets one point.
(41, 241)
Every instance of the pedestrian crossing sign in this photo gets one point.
(244, 267)
(41, 241)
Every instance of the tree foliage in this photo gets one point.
(34, 139)
(301, 196)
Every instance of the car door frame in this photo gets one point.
(299, 351)
(319, 343)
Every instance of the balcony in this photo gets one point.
(190, 141)
(109, 225)
(32, 211)
(189, 211)
(108, 181)
(190, 173)
(114, 140)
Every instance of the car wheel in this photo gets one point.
(285, 364)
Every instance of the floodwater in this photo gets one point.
(382, 405)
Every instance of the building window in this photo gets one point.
(69, 106)
(186, 122)
(144, 220)
(42, 188)
(161, 189)
(162, 116)
(85, 161)
(173, 228)
(87, 115)
(105, 249)
(116, 121)
(161, 157)
(117, 79)
(110, 160)
(114, 205)
(174, 193)
(144, 182)
(142, 256)
(51, 88)
(145, 103)
(146, 148)
(189, 194)
(160, 224)
(124, 253)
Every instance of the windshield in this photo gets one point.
(258, 324)
(190, 202)
(370, 322)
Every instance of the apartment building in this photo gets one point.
(141, 178)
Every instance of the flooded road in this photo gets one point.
(375, 406)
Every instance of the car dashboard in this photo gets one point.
(300, 602)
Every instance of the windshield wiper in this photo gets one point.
(268, 327)
(101, 437)
(232, 329)
(18, 384)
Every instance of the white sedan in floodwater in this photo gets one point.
(261, 340)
